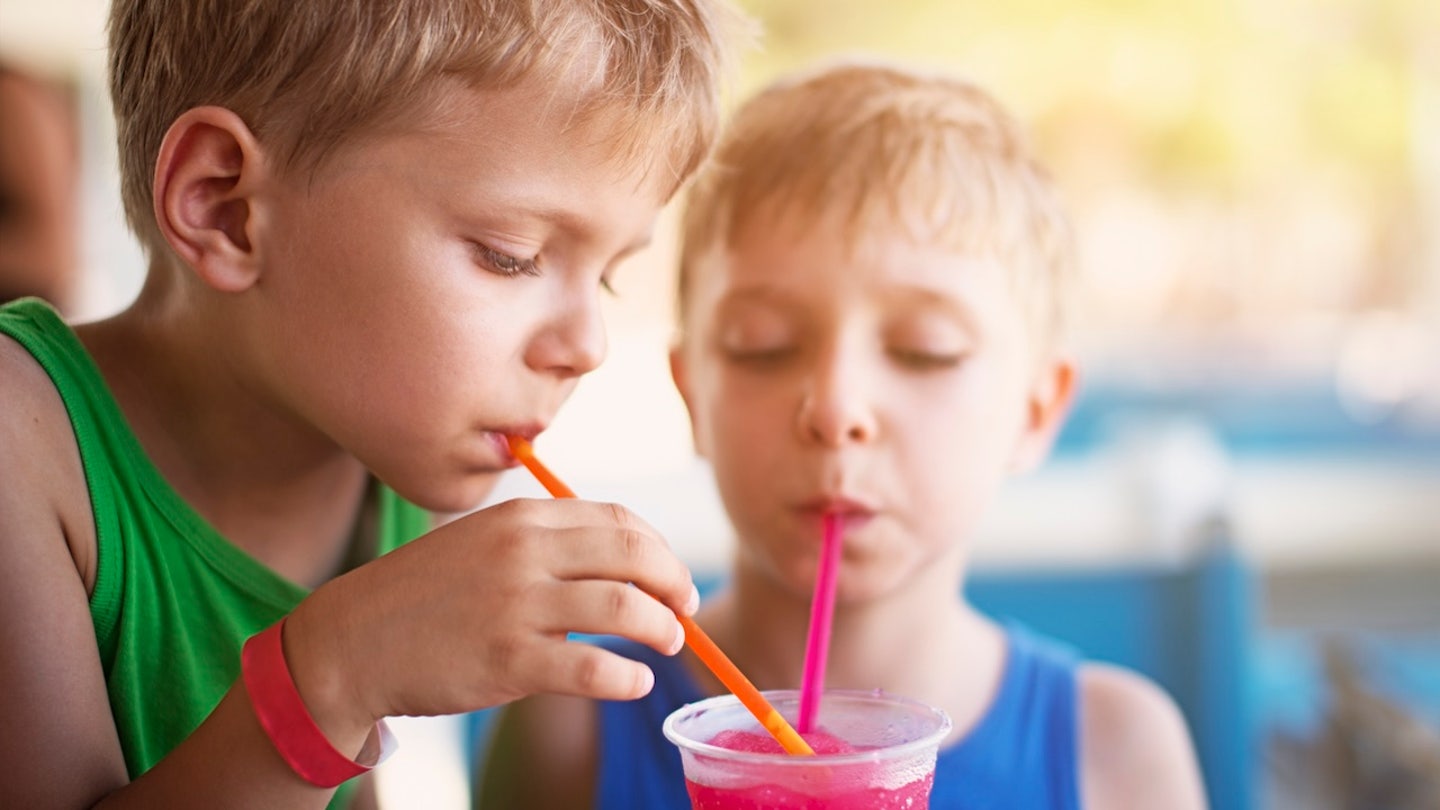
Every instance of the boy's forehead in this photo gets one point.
(857, 230)
(534, 113)
(836, 241)
(793, 263)
(503, 137)
(789, 253)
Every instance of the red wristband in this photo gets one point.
(286, 721)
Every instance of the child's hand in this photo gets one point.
(475, 614)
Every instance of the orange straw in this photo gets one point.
(709, 654)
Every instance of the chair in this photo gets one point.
(1188, 627)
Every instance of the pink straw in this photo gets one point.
(822, 612)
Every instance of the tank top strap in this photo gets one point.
(118, 474)
(173, 599)
(1024, 751)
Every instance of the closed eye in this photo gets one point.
(925, 361)
(761, 358)
(504, 264)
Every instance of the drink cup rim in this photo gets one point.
(782, 696)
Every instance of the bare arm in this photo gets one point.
(543, 756)
(1135, 751)
(57, 737)
(57, 740)
(474, 614)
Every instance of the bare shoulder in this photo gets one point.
(542, 755)
(1135, 750)
(60, 747)
(36, 438)
(30, 406)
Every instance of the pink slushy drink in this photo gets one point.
(873, 752)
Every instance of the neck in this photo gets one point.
(920, 640)
(265, 479)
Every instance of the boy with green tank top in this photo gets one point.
(377, 233)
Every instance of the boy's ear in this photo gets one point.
(679, 374)
(1051, 396)
(208, 170)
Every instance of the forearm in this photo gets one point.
(228, 762)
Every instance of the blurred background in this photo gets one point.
(1256, 189)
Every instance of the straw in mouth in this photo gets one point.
(705, 649)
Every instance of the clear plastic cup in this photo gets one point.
(890, 763)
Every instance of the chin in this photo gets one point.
(875, 577)
(453, 496)
(868, 589)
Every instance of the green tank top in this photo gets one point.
(173, 600)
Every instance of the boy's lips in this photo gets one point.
(497, 439)
(851, 510)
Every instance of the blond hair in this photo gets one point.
(307, 74)
(885, 146)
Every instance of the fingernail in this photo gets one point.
(693, 603)
(647, 682)
(679, 641)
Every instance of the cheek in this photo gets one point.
(740, 441)
(959, 455)
(744, 441)
(737, 416)
(415, 382)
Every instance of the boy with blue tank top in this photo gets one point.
(377, 232)
(872, 281)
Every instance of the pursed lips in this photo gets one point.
(497, 440)
(852, 510)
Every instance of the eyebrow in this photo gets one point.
(572, 221)
(575, 222)
(758, 293)
(636, 246)
(962, 311)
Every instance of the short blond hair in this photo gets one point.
(890, 147)
(307, 74)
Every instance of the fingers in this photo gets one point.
(610, 608)
(624, 548)
(499, 590)
(584, 670)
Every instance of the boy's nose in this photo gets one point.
(573, 344)
(836, 409)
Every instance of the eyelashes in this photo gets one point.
(760, 358)
(925, 361)
(503, 264)
(907, 359)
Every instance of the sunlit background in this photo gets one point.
(1256, 188)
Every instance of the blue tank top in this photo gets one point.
(1022, 755)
